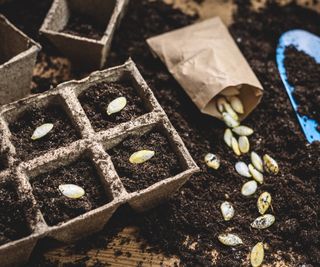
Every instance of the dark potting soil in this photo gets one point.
(3, 161)
(164, 164)
(23, 126)
(96, 99)
(58, 208)
(304, 74)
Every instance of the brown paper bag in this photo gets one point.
(206, 61)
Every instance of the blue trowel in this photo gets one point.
(310, 45)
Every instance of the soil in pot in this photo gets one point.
(162, 165)
(56, 207)
(96, 99)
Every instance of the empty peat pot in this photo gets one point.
(18, 55)
(82, 30)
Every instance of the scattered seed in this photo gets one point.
(141, 156)
(41, 131)
(230, 239)
(242, 169)
(220, 103)
(227, 210)
(231, 91)
(235, 146)
(249, 188)
(116, 105)
(212, 161)
(256, 161)
(229, 121)
(71, 190)
(264, 202)
(244, 144)
(243, 130)
(270, 164)
(227, 137)
(257, 255)
(236, 104)
(230, 111)
(263, 221)
(258, 176)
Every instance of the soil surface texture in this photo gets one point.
(3, 161)
(162, 165)
(58, 208)
(96, 99)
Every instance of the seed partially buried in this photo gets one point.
(227, 210)
(116, 105)
(264, 202)
(249, 188)
(230, 239)
(212, 161)
(42, 131)
(257, 255)
(141, 156)
(71, 190)
(263, 221)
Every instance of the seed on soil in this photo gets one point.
(227, 210)
(270, 164)
(235, 146)
(230, 239)
(242, 169)
(141, 156)
(116, 105)
(229, 121)
(244, 144)
(264, 202)
(263, 221)
(258, 176)
(220, 103)
(228, 137)
(236, 104)
(71, 190)
(257, 255)
(249, 188)
(256, 161)
(42, 131)
(212, 161)
(230, 111)
(231, 91)
(242, 130)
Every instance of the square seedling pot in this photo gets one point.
(18, 55)
(89, 158)
(86, 52)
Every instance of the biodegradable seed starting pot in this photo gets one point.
(18, 55)
(83, 30)
(76, 182)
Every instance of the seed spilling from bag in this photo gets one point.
(212, 161)
(230, 111)
(270, 164)
(220, 104)
(263, 221)
(258, 176)
(256, 161)
(235, 146)
(227, 210)
(71, 190)
(229, 121)
(228, 137)
(230, 239)
(242, 169)
(242, 130)
(257, 255)
(236, 104)
(116, 105)
(141, 156)
(249, 188)
(264, 202)
(244, 144)
(231, 91)
(42, 131)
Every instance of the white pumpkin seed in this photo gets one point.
(257, 255)
(231, 91)
(236, 104)
(264, 202)
(229, 121)
(116, 105)
(242, 130)
(258, 176)
(263, 221)
(141, 156)
(235, 146)
(220, 103)
(212, 161)
(256, 161)
(242, 169)
(71, 190)
(230, 239)
(41, 131)
(270, 164)
(227, 137)
(249, 188)
(230, 111)
(227, 210)
(244, 144)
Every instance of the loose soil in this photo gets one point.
(3, 161)
(56, 207)
(136, 177)
(22, 128)
(96, 99)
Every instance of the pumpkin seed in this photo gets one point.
(236, 104)
(242, 169)
(229, 121)
(244, 144)
(41, 131)
(257, 255)
(227, 210)
(263, 221)
(116, 105)
(231, 91)
(212, 161)
(227, 137)
(230, 239)
(141, 156)
(264, 202)
(258, 176)
(230, 111)
(249, 188)
(256, 161)
(270, 164)
(242, 130)
(220, 103)
(235, 146)
(71, 190)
